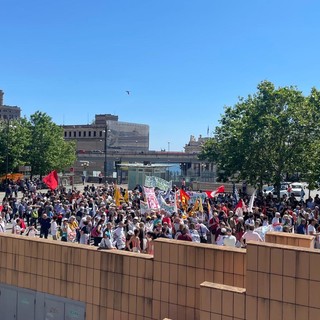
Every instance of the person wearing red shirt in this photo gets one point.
(167, 220)
(184, 235)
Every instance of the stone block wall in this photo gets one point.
(266, 281)
(118, 284)
(290, 239)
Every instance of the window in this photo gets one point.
(74, 133)
(84, 133)
(69, 134)
(89, 133)
(79, 134)
(94, 133)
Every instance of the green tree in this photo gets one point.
(266, 136)
(311, 172)
(14, 137)
(47, 148)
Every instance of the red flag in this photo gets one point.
(184, 197)
(51, 180)
(211, 194)
(1, 207)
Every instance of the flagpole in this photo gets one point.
(105, 153)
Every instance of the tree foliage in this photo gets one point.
(268, 136)
(37, 142)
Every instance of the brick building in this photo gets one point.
(107, 131)
(8, 112)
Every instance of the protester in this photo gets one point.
(220, 220)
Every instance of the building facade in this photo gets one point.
(194, 145)
(108, 133)
(204, 170)
(8, 112)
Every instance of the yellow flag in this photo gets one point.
(194, 209)
(126, 196)
(196, 206)
(117, 196)
(200, 205)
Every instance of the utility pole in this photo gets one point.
(7, 150)
(105, 152)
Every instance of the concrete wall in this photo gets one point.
(284, 282)
(121, 285)
(182, 281)
(290, 239)
(179, 269)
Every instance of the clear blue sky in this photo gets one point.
(182, 60)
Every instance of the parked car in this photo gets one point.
(267, 189)
(283, 190)
(296, 188)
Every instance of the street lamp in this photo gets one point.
(7, 148)
(105, 152)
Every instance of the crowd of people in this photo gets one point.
(93, 217)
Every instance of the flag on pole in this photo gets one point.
(117, 196)
(240, 208)
(184, 198)
(200, 205)
(194, 208)
(252, 200)
(175, 202)
(51, 180)
(210, 215)
(235, 193)
(126, 196)
(211, 194)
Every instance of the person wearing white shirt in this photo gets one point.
(119, 237)
(229, 240)
(276, 220)
(221, 236)
(250, 234)
(106, 242)
(203, 231)
(194, 233)
(54, 228)
(313, 232)
(2, 225)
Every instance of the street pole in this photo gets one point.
(105, 152)
(7, 150)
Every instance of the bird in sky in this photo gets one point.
(128, 92)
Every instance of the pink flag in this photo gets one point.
(211, 194)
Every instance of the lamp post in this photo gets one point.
(105, 152)
(7, 150)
